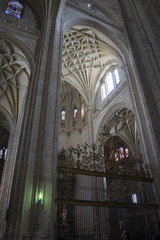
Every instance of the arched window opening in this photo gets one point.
(75, 113)
(116, 76)
(109, 83)
(112, 79)
(63, 115)
(134, 198)
(3, 153)
(103, 92)
(15, 8)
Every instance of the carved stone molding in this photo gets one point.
(117, 11)
(20, 26)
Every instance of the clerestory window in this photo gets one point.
(111, 81)
(103, 91)
(63, 115)
(3, 153)
(75, 113)
(134, 198)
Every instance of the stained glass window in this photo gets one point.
(63, 115)
(75, 113)
(134, 198)
(15, 8)
(121, 152)
(1, 153)
(126, 152)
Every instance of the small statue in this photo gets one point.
(64, 215)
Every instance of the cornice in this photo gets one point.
(19, 26)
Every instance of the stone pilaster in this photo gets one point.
(31, 210)
(145, 45)
(90, 125)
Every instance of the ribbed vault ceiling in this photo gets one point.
(86, 56)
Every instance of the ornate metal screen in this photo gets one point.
(95, 195)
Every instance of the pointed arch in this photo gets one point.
(16, 68)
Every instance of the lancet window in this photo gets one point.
(103, 92)
(63, 115)
(134, 198)
(75, 112)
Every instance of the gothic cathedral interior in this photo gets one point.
(79, 119)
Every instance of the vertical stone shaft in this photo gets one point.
(31, 208)
(145, 46)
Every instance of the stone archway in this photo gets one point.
(15, 70)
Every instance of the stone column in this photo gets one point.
(90, 125)
(141, 28)
(31, 211)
